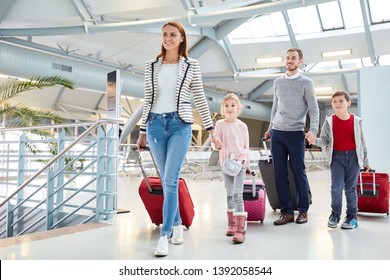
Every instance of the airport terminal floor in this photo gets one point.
(132, 236)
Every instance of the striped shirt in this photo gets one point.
(189, 81)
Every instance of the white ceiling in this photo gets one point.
(123, 34)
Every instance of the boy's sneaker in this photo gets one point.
(349, 223)
(162, 247)
(333, 220)
(177, 235)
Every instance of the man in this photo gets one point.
(294, 97)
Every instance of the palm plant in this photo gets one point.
(18, 115)
(21, 114)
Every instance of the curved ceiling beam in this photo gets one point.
(83, 11)
(290, 30)
(4, 8)
(370, 45)
(243, 77)
(22, 62)
(260, 90)
(193, 20)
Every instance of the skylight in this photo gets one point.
(379, 11)
(384, 60)
(330, 15)
(351, 12)
(342, 14)
(305, 20)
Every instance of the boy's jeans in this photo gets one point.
(344, 174)
(169, 139)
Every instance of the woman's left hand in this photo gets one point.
(217, 142)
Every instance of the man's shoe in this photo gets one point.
(284, 219)
(162, 247)
(333, 220)
(177, 235)
(302, 218)
(349, 223)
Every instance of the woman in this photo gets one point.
(166, 121)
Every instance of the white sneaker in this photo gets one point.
(177, 236)
(162, 247)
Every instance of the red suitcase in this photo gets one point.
(254, 199)
(151, 193)
(373, 192)
(153, 200)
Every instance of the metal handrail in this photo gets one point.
(60, 154)
(24, 128)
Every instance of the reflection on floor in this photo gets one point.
(131, 236)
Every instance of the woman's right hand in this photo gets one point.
(141, 142)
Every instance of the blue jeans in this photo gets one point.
(289, 146)
(344, 175)
(169, 139)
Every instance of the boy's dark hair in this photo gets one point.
(299, 51)
(341, 93)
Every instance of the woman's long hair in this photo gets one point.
(183, 45)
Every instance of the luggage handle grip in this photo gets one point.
(135, 149)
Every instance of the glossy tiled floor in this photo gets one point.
(131, 236)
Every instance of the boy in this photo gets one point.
(342, 135)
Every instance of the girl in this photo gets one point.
(233, 141)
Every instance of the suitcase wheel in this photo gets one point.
(157, 224)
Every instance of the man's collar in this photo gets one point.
(296, 75)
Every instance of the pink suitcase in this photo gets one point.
(254, 199)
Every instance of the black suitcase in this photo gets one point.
(268, 176)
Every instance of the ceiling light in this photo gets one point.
(336, 53)
(323, 97)
(323, 89)
(269, 59)
(129, 97)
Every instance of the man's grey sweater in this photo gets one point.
(293, 99)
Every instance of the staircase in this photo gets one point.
(48, 183)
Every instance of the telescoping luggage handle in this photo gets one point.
(253, 183)
(373, 182)
(267, 153)
(143, 169)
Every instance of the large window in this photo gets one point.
(330, 15)
(379, 11)
(342, 14)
